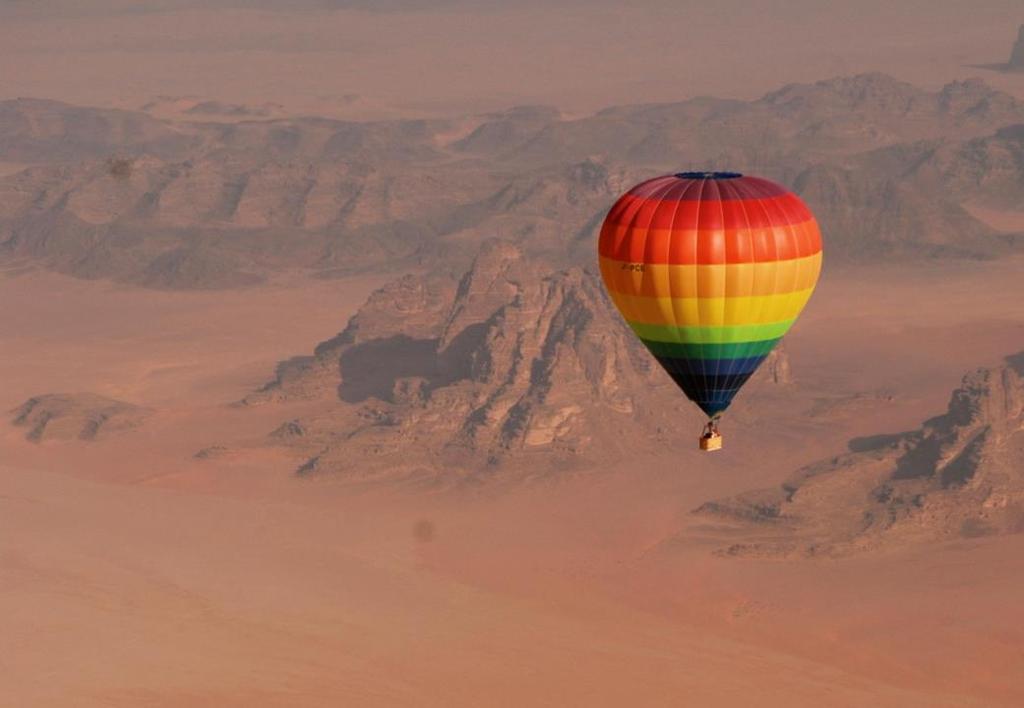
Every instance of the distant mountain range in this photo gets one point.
(887, 167)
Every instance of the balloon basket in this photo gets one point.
(709, 443)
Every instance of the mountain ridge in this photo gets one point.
(124, 196)
(958, 476)
(440, 378)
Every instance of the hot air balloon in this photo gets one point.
(710, 269)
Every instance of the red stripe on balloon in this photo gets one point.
(710, 213)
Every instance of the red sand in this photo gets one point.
(133, 574)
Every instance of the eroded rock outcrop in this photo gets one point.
(960, 475)
(1016, 62)
(459, 376)
(76, 416)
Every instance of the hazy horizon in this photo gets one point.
(428, 59)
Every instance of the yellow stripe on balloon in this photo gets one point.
(711, 311)
(723, 280)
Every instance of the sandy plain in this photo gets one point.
(133, 574)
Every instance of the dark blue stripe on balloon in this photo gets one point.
(710, 383)
(712, 367)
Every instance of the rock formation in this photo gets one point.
(196, 204)
(76, 416)
(439, 377)
(869, 212)
(984, 170)
(960, 475)
(1016, 62)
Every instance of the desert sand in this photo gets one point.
(160, 547)
(136, 574)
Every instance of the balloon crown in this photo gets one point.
(708, 175)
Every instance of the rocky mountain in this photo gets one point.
(960, 475)
(39, 131)
(76, 416)
(138, 219)
(797, 122)
(44, 131)
(912, 198)
(986, 169)
(441, 378)
(871, 110)
(1016, 62)
(887, 166)
(866, 213)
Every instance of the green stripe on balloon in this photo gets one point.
(740, 350)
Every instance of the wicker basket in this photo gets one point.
(711, 442)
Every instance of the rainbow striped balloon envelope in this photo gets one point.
(710, 269)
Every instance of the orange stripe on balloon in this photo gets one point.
(721, 280)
